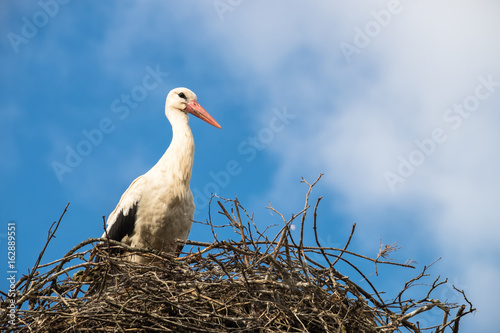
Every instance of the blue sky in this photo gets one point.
(396, 102)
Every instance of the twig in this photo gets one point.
(346, 245)
(49, 238)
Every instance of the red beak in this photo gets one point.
(197, 110)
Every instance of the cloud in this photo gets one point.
(357, 118)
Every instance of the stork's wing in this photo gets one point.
(121, 221)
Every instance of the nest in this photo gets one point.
(252, 284)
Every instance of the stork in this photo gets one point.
(158, 207)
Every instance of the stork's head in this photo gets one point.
(183, 101)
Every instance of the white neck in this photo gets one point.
(179, 157)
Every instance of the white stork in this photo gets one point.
(158, 206)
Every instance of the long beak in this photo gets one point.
(197, 110)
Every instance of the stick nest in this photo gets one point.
(252, 284)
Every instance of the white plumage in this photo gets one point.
(158, 206)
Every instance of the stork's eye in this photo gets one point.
(181, 95)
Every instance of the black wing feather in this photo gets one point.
(123, 226)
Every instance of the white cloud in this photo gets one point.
(426, 60)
